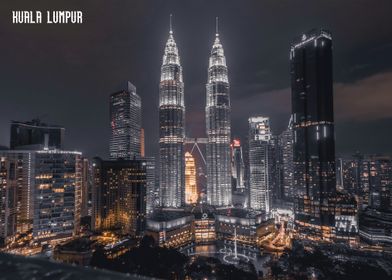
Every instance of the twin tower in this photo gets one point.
(172, 128)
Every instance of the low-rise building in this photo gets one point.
(171, 228)
(246, 222)
(77, 251)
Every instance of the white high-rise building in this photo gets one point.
(218, 128)
(171, 128)
(260, 163)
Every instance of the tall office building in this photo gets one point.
(376, 219)
(8, 200)
(286, 163)
(86, 205)
(125, 121)
(379, 180)
(171, 127)
(47, 181)
(218, 128)
(119, 193)
(150, 184)
(48, 192)
(353, 177)
(260, 164)
(56, 194)
(142, 143)
(237, 166)
(190, 179)
(24, 178)
(314, 137)
(274, 171)
(36, 135)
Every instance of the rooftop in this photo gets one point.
(164, 215)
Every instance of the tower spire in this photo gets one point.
(171, 30)
(216, 26)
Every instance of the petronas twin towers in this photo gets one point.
(172, 128)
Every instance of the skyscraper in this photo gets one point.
(24, 178)
(286, 163)
(150, 184)
(314, 137)
(190, 179)
(260, 163)
(56, 194)
(218, 128)
(48, 191)
(86, 188)
(171, 127)
(120, 195)
(8, 200)
(237, 166)
(125, 118)
(376, 219)
(380, 182)
(142, 144)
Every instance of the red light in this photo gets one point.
(236, 143)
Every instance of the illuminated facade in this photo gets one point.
(246, 223)
(125, 118)
(171, 128)
(355, 175)
(24, 161)
(57, 194)
(346, 219)
(48, 192)
(190, 179)
(218, 129)
(260, 163)
(237, 166)
(286, 163)
(171, 229)
(120, 196)
(204, 226)
(86, 188)
(142, 144)
(8, 200)
(150, 183)
(314, 137)
(376, 220)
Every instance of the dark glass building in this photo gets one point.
(286, 163)
(237, 166)
(36, 135)
(119, 196)
(314, 137)
(126, 123)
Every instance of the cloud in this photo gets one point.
(364, 100)
(368, 99)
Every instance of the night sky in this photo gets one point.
(64, 74)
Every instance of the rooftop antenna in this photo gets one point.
(216, 26)
(171, 30)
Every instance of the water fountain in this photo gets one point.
(233, 257)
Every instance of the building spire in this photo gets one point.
(216, 26)
(171, 30)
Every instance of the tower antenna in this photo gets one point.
(171, 30)
(216, 26)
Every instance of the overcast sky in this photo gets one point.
(64, 74)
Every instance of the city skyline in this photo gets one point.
(366, 71)
(262, 152)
